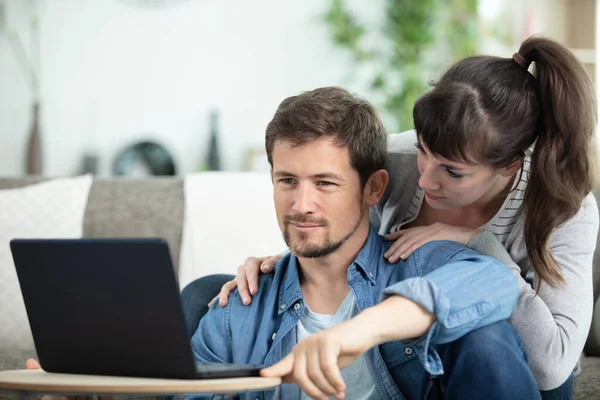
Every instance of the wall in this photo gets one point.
(112, 74)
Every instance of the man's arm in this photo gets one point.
(459, 291)
(316, 361)
(462, 288)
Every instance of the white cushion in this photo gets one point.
(229, 216)
(51, 209)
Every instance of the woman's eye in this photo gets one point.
(453, 174)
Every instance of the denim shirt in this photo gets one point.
(462, 288)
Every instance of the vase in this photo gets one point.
(213, 157)
(33, 156)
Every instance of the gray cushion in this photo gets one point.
(122, 207)
(20, 181)
(126, 207)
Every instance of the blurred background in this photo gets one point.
(169, 87)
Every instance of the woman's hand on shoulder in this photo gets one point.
(246, 279)
(408, 240)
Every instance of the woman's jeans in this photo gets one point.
(459, 358)
(563, 392)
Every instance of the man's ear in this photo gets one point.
(375, 187)
(511, 168)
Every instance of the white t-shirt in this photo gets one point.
(358, 380)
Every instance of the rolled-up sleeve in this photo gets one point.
(463, 289)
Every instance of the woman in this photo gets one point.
(504, 163)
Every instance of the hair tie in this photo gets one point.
(522, 61)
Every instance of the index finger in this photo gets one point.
(32, 364)
(331, 369)
(242, 284)
(282, 369)
(226, 289)
(394, 235)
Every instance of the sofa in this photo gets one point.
(155, 207)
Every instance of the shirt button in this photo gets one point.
(257, 398)
(408, 351)
(297, 306)
(273, 337)
(283, 306)
(371, 274)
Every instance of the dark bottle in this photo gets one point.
(213, 160)
(33, 156)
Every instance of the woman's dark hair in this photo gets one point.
(491, 110)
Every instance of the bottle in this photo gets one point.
(213, 159)
(33, 156)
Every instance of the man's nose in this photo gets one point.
(305, 199)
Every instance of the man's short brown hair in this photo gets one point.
(333, 112)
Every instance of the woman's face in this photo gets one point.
(449, 184)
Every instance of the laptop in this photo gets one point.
(109, 307)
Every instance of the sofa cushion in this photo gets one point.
(51, 209)
(229, 216)
(142, 207)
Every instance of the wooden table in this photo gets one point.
(39, 381)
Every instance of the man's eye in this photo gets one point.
(325, 183)
(286, 181)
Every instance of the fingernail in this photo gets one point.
(403, 256)
(245, 300)
(253, 291)
(386, 255)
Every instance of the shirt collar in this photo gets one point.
(370, 256)
(366, 261)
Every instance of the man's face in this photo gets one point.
(318, 196)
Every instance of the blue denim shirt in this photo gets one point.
(462, 288)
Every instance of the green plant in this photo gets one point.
(415, 39)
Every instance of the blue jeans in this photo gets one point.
(563, 392)
(489, 363)
(467, 374)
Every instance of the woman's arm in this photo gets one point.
(554, 323)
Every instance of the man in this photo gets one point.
(426, 328)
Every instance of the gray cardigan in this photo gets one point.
(555, 323)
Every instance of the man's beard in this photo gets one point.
(315, 250)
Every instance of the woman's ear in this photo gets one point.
(375, 187)
(511, 168)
